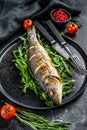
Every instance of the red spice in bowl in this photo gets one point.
(60, 16)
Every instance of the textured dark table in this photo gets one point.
(75, 112)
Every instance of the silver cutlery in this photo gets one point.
(76, 61)
(61, 46)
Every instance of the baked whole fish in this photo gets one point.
(42, 68)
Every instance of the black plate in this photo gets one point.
(10, 79)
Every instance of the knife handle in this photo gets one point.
(58, 36)
(44, 32)
(55, 31)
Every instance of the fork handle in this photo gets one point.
(55, 31)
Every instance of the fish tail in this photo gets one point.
(31, 33)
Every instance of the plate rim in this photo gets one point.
(82, 88)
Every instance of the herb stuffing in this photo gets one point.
(28, 81)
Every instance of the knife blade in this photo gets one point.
(51, 40)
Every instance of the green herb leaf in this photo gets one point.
(39, 122)
(28, 81)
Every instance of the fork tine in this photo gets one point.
(80, 70)
(77, 69)
(83, 71)
(79, 66)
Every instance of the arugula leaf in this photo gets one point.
(29, 83)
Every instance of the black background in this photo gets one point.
(76, 111)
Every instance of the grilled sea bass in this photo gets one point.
(42, 68)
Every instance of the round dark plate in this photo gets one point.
(10, 78)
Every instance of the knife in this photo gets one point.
(76, 61)
(58, 36)
(51, 40)
(63, 51)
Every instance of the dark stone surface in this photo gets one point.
(75, 112)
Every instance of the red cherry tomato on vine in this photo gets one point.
(8, 111)
(27, 23)
(72, 28)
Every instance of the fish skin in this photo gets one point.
(42, 68)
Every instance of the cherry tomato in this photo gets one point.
(8, 111)
(72, 28)
(27, 23)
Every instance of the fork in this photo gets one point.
(73, 59)
(76, 63)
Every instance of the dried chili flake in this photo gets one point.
(60, 16)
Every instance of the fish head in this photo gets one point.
(55, 93)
